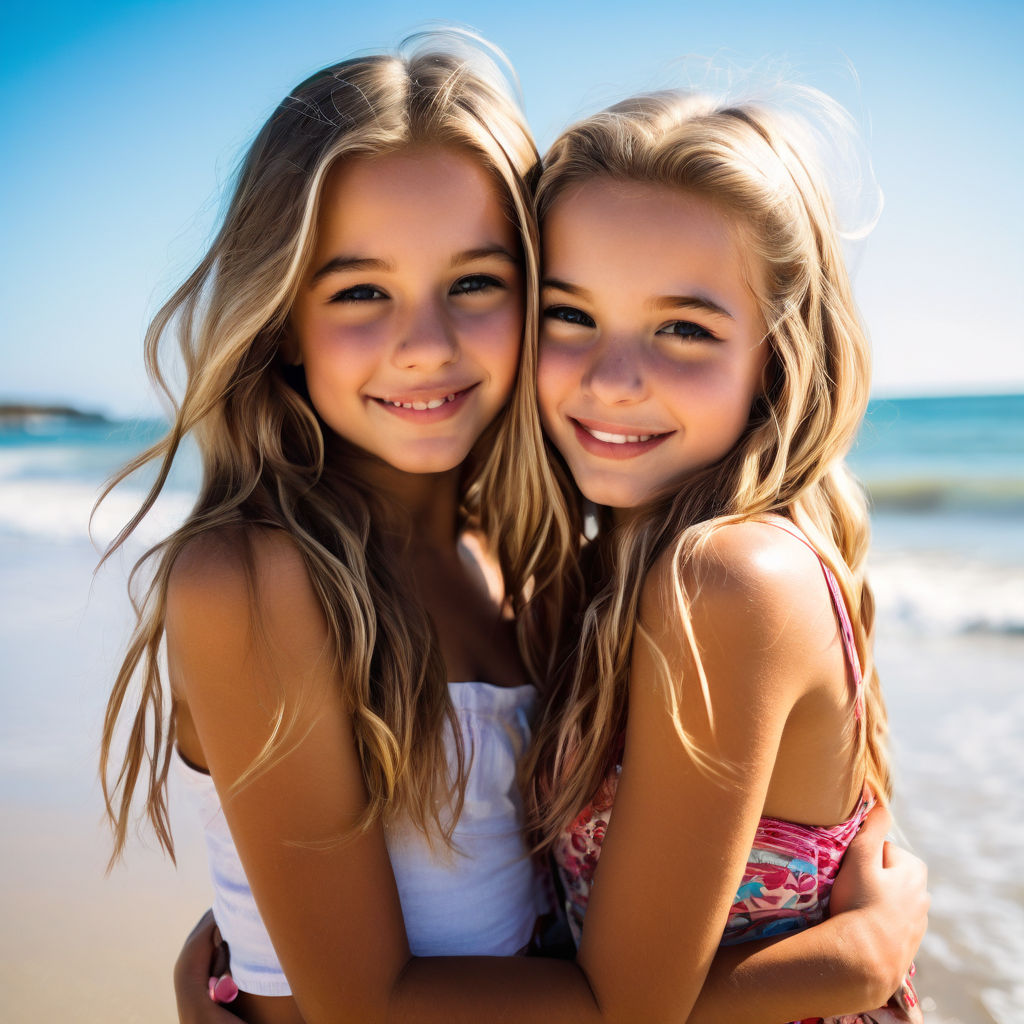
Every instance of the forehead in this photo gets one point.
(424, 194)
(665, 236)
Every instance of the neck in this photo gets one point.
(621, 516)
(427, 503)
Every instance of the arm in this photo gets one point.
(327, 896)
(681, 835)
(331, 906)
(766, 633)
(879, 913)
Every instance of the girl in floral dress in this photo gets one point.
(702, 375)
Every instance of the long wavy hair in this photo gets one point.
(750, 163)
(269, 461)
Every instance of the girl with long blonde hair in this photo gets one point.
(702, 375)
(349, 691)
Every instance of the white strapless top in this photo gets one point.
(481, 899)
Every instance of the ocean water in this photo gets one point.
(946, 478)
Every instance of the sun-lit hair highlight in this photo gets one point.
(756, 166)
(268, 463)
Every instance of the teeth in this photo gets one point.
(434, 403)
(618, 438)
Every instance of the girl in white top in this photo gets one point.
(362, 407)
(345, 677)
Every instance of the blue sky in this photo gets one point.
(122, 123)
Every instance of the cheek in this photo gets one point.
(496, 338)
(559, 373)
(337, 347)
(548, 386)
(497, 354)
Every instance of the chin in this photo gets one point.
(428, 462)
(614, 494)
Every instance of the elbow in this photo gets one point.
(375, 1004)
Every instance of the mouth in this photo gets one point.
(425, 406)
(418, 404)
(620, 443)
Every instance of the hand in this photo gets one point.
(200, 975)
(886, 886)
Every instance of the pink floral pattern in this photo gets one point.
(788, 878)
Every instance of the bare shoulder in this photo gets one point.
(226, 587)
(220, 571)
(749, 583)
(221, 560)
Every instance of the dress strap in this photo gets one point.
(842, 612)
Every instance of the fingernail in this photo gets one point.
(213, 989)
(225, 991)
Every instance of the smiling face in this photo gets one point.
(652, 344)
(409, 318)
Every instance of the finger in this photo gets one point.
(220, 960)
(191, 973)
(223, 989)
(894, 856)
(193, 963)
(867, 845)
(890, 854)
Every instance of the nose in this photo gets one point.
(615, 375)
(428, 340)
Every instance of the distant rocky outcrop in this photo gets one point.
(15, 414)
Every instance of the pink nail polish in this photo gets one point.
(212, 988)
(225, 991)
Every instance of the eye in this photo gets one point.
(474, 284)
(687, 330)
(569, 315)
(359, 293)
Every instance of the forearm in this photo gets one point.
(819, 972)
(519, 990)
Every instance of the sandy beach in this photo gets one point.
(79, 946)
(76, 944)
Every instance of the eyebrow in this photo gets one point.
(697, 302)
(484, 253)
(341, 264)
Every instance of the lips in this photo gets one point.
(611, 441)
(425, 406)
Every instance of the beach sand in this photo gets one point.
(79, 946)
(75, 944)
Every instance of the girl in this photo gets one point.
(702, 375)
(351, 343)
